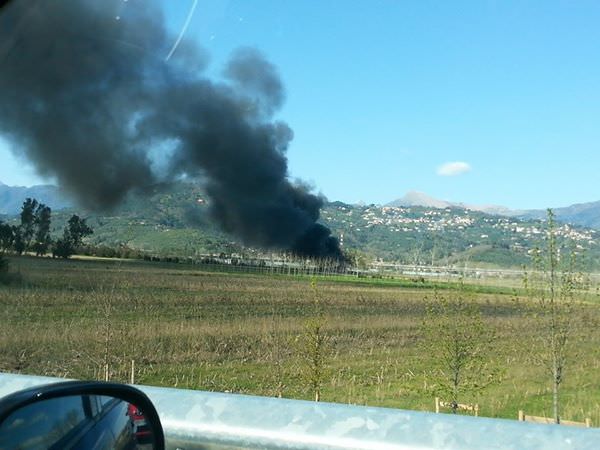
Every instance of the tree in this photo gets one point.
(3, 265)
(553, 284)
(314, 346)
(357, 259)
(457, 340)
(72, 237)
(6, 237)
(6, 241)
(5, 244)
(78, 229)
(42, 233)
(18, 240)
(3, 269)
(27, 228)
(34, 229)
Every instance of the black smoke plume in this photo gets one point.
(86, 93)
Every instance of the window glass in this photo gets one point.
(42, 424)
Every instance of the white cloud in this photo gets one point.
(452, 169)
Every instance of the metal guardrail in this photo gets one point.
(207, 420)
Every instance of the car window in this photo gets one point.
(40, 425)
(341, 200)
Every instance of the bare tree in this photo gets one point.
(314, 346)
(552, 284)
(458, 342)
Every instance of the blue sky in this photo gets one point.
(382, 93)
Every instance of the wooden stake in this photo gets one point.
(132, 378)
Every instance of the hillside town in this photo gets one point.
(421, 219)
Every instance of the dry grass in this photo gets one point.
(238, 333)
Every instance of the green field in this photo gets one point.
(239, 332)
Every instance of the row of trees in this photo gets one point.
(458, 338)
(32, 234)
(459, 342)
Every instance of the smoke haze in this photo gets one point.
(86, 96)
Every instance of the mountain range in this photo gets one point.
(583, 214)
(12, 197)
(416, 229)
(416, 198)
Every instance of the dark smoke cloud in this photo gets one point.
(85, 96)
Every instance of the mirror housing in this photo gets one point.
(118, 414)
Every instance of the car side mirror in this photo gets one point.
(80, 415)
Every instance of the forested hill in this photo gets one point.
(176, 222)
(447, 236)
(585, 214)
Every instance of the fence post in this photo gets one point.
(132, 378)
(588, 422)
(437, 404)
(521, 416)
(106, 372)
